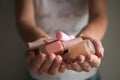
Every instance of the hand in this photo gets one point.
(86, 63)
(44, 63)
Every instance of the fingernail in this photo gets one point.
(102, 51)
(58, 60)
(62, 66)
(100, 55)
(78, 59)
(90, 59)
(43, 57)
(51, 56)
(81, 59)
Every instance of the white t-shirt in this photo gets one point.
(69, 16)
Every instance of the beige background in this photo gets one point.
(12, 61)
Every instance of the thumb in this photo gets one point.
(63, 37)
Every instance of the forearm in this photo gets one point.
(95, 29)
(29, 32)
(97, 23)
(25, 21)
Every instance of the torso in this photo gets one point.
(69, 16)
(60, 15)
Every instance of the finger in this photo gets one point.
(62, 67)
(47, 64)
(80, 59)
(30, 56)
(56, 65)
(69, 66)
(38, 62)
(98, 46)
(76, 67)
(94, 61)
(86, 66)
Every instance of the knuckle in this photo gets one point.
(51, 57)
(97, 65)
(32, 69)
(41, 72)
(42, 57)
(62, 70)
(86, 67)
(51, 72)
(88, 70)
(79, 70)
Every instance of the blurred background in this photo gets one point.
(12, 61)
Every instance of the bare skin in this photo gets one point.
(94, 31)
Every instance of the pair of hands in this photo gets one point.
(49, 63)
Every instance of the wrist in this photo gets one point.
(89, 31)
(42, 34)
(34, 34)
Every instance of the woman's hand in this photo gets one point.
(86, 63)
(44, 63)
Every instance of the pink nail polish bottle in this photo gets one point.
(74, 47)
